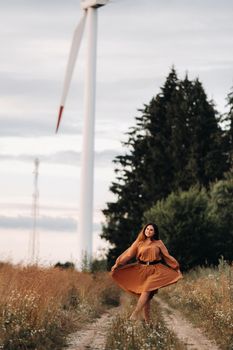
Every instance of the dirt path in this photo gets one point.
(93, 336)
(191, 336)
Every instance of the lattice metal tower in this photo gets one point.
(34, 239)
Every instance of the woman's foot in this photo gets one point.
(134, 316)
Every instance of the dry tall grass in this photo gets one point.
(40, 306)
(206, 297)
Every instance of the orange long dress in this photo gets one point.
(137, 278)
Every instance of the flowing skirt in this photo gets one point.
(137, 278)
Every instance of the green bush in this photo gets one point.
(185, 226)
(221, 215)
(197, 225)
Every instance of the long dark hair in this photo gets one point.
(142, 236)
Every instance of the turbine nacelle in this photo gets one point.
(85, 4)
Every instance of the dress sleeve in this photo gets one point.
(127, 254)
(172, 262)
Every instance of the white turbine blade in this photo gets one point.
(76, 42)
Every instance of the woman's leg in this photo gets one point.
(146, 311)
(146, 308)
(143, 299)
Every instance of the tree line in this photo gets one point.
(176, 154)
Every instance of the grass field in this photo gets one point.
(205, 296)
(40, 306)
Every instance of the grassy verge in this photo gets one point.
(40, 306)
(124, 334)
(205, 296)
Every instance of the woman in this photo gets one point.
(155, 269)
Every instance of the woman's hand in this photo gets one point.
(114, 267)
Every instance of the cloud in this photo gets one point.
(44, 223)
(102, 158)
(37, 124)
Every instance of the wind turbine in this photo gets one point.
(90, 8)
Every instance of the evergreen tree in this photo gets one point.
(175, 144)
(228, 120)
(206, 155)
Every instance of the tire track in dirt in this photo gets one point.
(191, 336)
(93, 336)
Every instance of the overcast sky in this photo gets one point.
(138, 42)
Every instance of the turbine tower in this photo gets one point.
(33, 240)
(90, 8)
